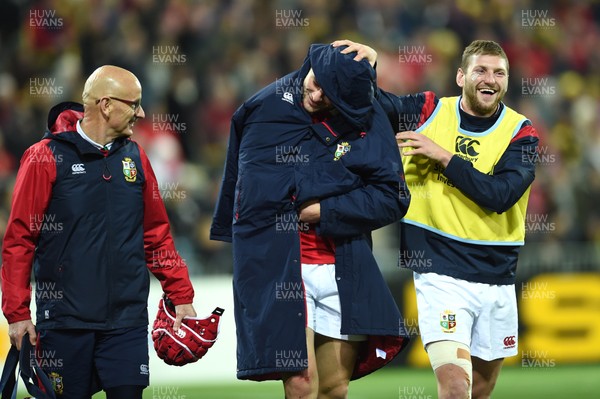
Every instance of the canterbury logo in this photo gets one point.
(77, 168)
(287, 96)
(509, 341)
(466, 145)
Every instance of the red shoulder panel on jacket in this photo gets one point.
(525, 132)
(428, 107)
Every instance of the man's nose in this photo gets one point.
(489, 77)
(140, 114)
(317, 95)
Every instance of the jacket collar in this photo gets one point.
(62, 126)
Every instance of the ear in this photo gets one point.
(460, 77)
(104, 106)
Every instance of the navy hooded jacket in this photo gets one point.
(91, 225)
(279, 158)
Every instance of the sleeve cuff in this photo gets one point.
(455, 167)
(324, 223)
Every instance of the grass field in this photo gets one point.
(561, 382)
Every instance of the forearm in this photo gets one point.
(497, 192)
(31, 196)
(162, 258)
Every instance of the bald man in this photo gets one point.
(87, 216)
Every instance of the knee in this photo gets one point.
(336, 390)
(451, 362)
(483, 389)
(300, 386)
(454, 388)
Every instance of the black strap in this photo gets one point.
(8, 381)
(32, 375)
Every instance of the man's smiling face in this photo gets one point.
(484, 84)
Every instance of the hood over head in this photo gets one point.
(348, 84)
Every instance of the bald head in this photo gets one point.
(111, 104)
(110, 80)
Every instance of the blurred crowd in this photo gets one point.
(198, 60)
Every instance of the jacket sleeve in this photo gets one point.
(511, 177)
(31, 196)
(407, 112)
(223, 216)
(162, 258)
(383, 198)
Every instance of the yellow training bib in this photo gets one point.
(437, 205)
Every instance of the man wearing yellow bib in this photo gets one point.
(469, 162)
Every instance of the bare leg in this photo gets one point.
(485, 375)
(451, 362)
(335, 364)
(453, 382)
(305, 384)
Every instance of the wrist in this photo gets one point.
(445, 158)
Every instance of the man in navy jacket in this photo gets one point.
(312, 169)
(88, 216)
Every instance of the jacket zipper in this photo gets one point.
(107, 176)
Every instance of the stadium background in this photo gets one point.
(198, 60)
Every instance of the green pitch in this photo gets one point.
(558, 382)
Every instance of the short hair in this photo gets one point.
(482, 47)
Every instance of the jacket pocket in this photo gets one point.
(49, 293)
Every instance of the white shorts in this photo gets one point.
(323, 308)
(481, 316)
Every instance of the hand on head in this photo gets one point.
(362, 51)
